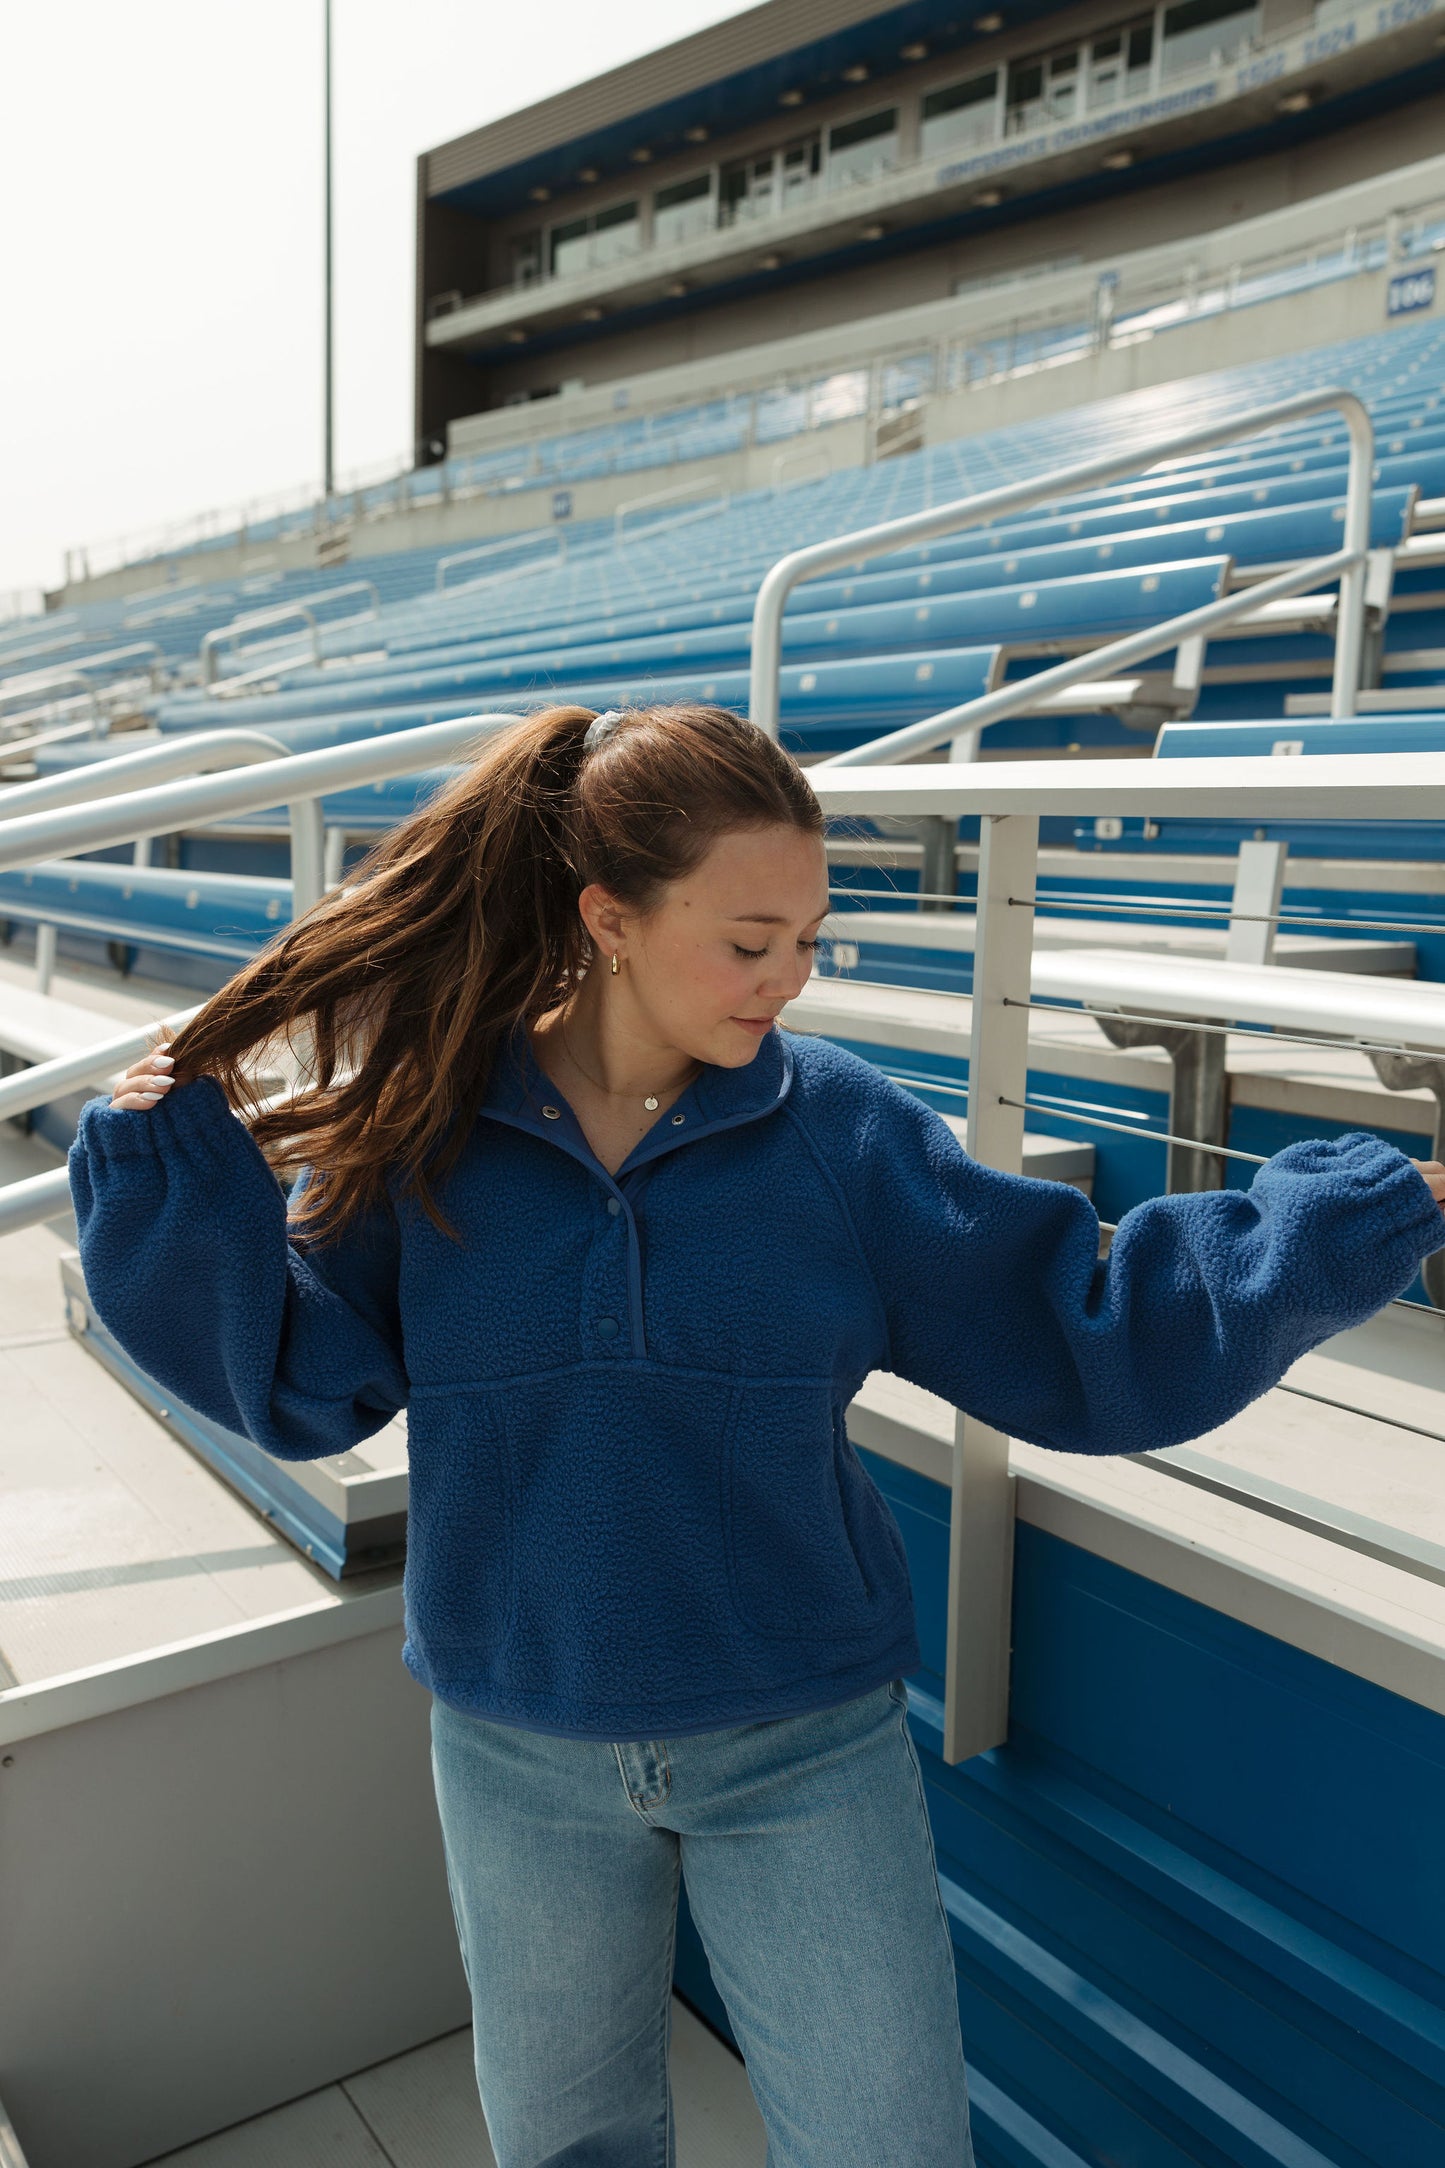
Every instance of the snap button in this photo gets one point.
(607, 1328)
(613, 1206)
(678, 1120)
(553, 1114)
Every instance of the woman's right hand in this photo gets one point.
(144, 1083)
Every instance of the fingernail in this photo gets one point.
(163, 1061)
(148, 1099)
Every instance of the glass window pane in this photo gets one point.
(687, 191)
(571, 248)
(683, 210)
(962, 113)
(800, 164)
(747, 190)
(1198, 31)
(616, 235)
(860, 149)
(848, 133)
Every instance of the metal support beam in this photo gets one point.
(980, 1552)
(938, 872)
(1198, 1093)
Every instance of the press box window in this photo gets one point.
(1041, 92)
(771, 181)
(683, 210)
(590, 244)
(858, 150)
(1120, 65)
(1199, 31)
(963, 113)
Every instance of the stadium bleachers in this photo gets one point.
(664, 612)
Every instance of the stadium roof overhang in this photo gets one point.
(729, 77)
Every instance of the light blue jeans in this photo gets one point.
(812, 1880)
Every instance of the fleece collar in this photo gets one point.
(719, 1098)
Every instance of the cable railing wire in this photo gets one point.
(1269, 1033)
(1087, 1108)
(1224, 912)
(1165, 907)
(1084, 1111)
(1064, 1112)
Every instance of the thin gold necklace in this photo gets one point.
(650, 1102)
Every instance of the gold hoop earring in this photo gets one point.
(614, 963)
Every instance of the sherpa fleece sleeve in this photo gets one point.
(187, 1261)
(996, 1299)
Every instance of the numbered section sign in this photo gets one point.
(1412, 290)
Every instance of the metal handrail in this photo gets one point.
(275, 615)
(819, 557)
(66, 831)
(39, 1197)
(691, 488)
(19, 683)
(967, 721)
(189, 755)
(491, 549)
(194, 754)
(45, 1080)
(806, 455)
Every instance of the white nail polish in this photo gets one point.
(163, 1061)
(148, 1099)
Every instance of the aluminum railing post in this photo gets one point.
(44, 955)
(764, 692)
(1350, 615)
(980, 1552)
(1198, 1094)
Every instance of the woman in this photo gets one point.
(626, 1250)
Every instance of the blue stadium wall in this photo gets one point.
(1197, 1901)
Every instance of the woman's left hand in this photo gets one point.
(1434, 1174)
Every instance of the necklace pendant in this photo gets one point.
(651, 1100)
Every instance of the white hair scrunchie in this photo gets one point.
(600, 727)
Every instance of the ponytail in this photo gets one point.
(460, 923)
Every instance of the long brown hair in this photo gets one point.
(461, 922)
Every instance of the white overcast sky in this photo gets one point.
(160, 234)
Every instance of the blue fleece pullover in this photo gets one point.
(634, 1509)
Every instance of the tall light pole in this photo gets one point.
(329, 478)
